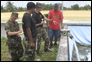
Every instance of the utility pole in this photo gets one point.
(62, 14)
(62, 7)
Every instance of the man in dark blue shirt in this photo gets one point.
(29, 33)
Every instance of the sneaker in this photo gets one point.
(55, 44)
(38, 53)
(47, 50)
(20, 60)
(50, 46)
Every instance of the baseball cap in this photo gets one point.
(56, 5)
(38, 5)
(15, 14)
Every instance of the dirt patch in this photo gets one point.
(7, 54)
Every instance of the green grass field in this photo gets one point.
(45, 56)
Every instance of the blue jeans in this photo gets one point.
(53, 33)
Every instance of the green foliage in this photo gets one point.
(10, 7)
(21, 9)
(75, 7)
(4, 50)
(1, 8)
(87, 7)
(3, 39)
(47, 6)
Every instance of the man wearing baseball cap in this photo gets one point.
(41, 32)
(54, 29)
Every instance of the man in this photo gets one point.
(54, 29)
(29, 32)
(14, 40)
(41, 32)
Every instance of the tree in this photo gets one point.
(47, 6)
(75, 7)
(60, 6)
(2, 9)
(81, 8)
(9, 6)
(87, 7)
(15, 9)
(21, 9)
(64, 8)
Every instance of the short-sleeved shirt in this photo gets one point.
(56, 16)
(27, 21)
(12, 27)
(38, 18)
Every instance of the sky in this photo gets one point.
(65, 3)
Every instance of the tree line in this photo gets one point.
(10, 7)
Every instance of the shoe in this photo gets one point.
(55, 44)
(15, 59)
(38, 53)
(20, 60)
(47, 50)
(50, 46)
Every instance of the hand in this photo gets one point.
(62, 26)
(20, 31)
(48, 25)
(54, 22)
(32, 44)
(42, 22)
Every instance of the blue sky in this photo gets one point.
(66, 3)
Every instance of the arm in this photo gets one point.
(62, 23)
(7, 29)
(29, 34)
(35, 18)
(12, 33)
(27, 21)
(50, 20)
(39, 24)
(47, 19)
(15, 33)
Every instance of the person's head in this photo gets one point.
(56, 7)
(30, 7)
(14, 16)
(38, 6)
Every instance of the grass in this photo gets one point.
(48, 56)
(45, 56)
(4, 50)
